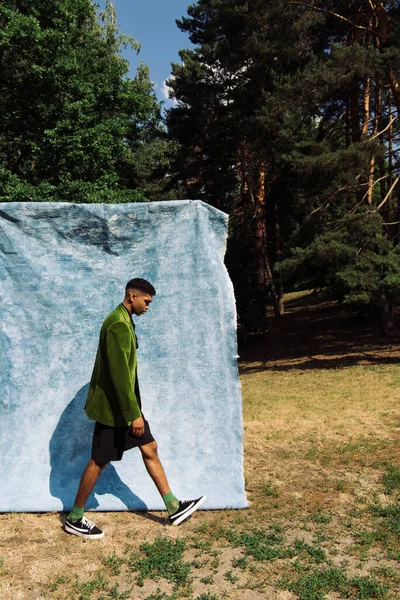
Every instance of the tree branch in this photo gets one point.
(383, 130)
(334, 14)
(386, 198)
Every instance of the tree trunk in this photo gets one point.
(394, 86)
(381, 159)
(355, 38)
(260, 229)
(348, 123)
(264, 273)
(366, 105)
(278, 254)
(385, 312)
(378, 97)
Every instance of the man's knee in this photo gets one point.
(97, 464)
(149, 450)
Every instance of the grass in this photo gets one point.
(270, 490)
(315, 584)
(322, 467)
(391, 478)
(161, 559)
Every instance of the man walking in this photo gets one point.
(114, 403)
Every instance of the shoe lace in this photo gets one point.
(89, 524)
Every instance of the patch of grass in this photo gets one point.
(261, 544)
(113, 563)
(115, 594)
(214, 564)
(315, 552)
(277, 434)
(311, 453)
(162, 559)
(207, 596)
(270, 490)
(387, 573)
(96, 584)
(209, 579)
(366, 539)
(204, 545)
(198, 564)
(319, 517)
(364, 588)
(241, 562)
(315, 584)
(161, 596)
(2, 565)
(390, 516)
(53, 586)
(340, 485)
(391, 478)
(229, 576)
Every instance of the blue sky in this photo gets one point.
(152, 23)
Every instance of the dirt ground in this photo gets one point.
(321, 421)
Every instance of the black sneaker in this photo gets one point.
(186, 508)
(83, 528)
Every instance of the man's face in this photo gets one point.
(140, 302)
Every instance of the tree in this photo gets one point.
(71, 122)
(229, 121)
(349, 173)
(301, 100)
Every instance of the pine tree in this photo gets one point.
(292, 106)
(348, 173)
(233, 129)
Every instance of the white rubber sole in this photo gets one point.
(84, 536)
(190, 511)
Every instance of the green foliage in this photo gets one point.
(229, 576)
(390, 516)
(270, 490)
(163, 559)
(262, 545)
(284, 120)
(391, 478)
(74, 126)
(314, 585)
(95, 584)
(161, 596)
(114, 563)
(241, 562)
(359, 265)
(316, 553)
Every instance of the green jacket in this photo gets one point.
(111, 398)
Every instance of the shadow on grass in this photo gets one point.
(318, 335)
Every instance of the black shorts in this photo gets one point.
(109, 443)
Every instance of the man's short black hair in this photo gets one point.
(142, 285)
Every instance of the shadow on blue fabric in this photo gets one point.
(70, 448)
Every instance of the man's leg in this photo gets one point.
(88, 480)
(178, 511)
(76, 523)
(154, 467)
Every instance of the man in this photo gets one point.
(114, 403)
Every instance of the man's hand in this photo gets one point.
(138, 426)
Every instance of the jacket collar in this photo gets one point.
(124, 312)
